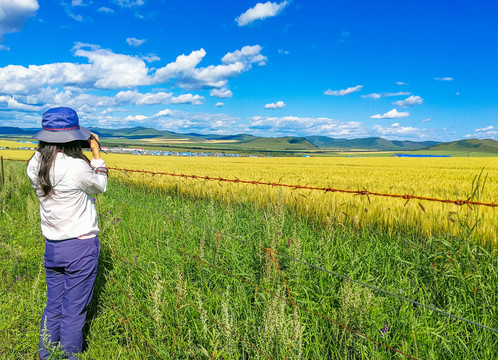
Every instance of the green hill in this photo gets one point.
(469, 145)
(280, 144)
(371, 143)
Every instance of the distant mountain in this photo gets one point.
(471, 145)
(138, 132)
(281, 143)
(251, 142)
(8, 130)
(371, 143)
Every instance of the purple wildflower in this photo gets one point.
(383, 330)
(110, 212)
(94, 199)
(288, 241)
(135, 261)
(280, 233)
(17, 277)
(118, 219)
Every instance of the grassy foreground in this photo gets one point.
(148, 291)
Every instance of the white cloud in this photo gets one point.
(298, 126)
(219, 104)
(372, 96)
(409, 101)
(14, 13)
(180, 121)
(9, 103)
(246, 55)
(104, 9)
(344, 91)
(151, 58)
(401, 83)
(277, 105)
(399, 93)
(135, 42)
(165, 112)
(395, 130)
(139, 118)
(130, 3)
(444, 78)
(392, 114)
(114, 70)
(136, 98)
(261, 11)
(189, 76)
(426, 120)
(489, 128)
(282, 51)
(221, 93)
(108, 70)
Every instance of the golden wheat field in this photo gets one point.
(445, 178)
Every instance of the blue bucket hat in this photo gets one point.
(61, 125)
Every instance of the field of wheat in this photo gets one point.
(204, 269)
(443, 178)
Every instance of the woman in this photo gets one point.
(64, 181)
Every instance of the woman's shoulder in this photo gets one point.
(71, 162)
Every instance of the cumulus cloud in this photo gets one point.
(392, 114)
(282, 51)
(401, 83)
(9, 103)
(398, 131)
(189, 76)
(219, 104)
(304, 126)
(105, 70)
(485, 129)
(372, 96)
(246, 55)
(13, 15)
(135, 42)
(108, 70)
(139, 118)
(136, 98)
(277, 105)
(261, 11)
(444, 78)
(409, 101)
(426, 120)
(203, 123)
(343, 92)
(221, 93)
(487, 132)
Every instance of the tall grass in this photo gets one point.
(154, 301)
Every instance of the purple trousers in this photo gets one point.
(70, 268)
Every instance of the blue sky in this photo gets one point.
(346, 69)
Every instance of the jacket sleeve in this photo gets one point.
(92, 178)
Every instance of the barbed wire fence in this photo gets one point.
(126, 321)
(327, 189)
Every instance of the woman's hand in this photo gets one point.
(95, 146)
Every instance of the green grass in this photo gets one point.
(135, 308)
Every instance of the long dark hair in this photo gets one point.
(48, 152)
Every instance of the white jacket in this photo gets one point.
(69, 211)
